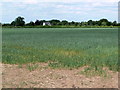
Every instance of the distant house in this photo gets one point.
(46, 24)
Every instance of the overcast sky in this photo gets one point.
(71, 10)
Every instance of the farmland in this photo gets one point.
(62, 47)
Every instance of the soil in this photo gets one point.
(16, 76)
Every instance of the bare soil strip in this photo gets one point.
(15, 76)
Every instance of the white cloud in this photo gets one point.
(60, 9)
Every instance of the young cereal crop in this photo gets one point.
(62, 47)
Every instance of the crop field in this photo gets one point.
(62, 47)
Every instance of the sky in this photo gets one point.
(70, 10)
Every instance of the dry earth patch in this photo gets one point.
(15, 76)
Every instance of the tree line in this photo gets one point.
(19, 21)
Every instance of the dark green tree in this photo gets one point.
(72, 23)
(13, 23)
(64, 22)
(30, 24)
(84, 23)
(55, 22)
(37, 22)
(115, 23)
(19, 21)
(103, 22)
(76, 24)
(109, 23)
(90, 22)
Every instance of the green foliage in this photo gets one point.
(90, 71)
(20, 66)
(32, 67)
(30, 24)
(55, 22)
(19, 21)
(62, 47)
(103, 23)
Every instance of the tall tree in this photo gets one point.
(19, 21)
(90, 22)
(37, 22)
(13, 23)
(103, 22)
(55, 22)
(114, 23)
(64, 22)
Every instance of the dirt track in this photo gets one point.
(44, 77)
